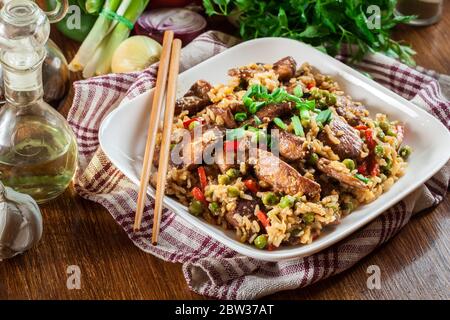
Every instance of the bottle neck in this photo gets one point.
(23, 84)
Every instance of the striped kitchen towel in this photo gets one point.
(211, 268)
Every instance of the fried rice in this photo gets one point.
(341, 156)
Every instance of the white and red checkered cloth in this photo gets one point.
(210, 268)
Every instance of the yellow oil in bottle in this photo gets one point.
(41, 161)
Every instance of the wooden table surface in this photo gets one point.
(414, 264)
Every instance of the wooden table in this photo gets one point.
(415, 264)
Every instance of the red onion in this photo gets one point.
(186, 24)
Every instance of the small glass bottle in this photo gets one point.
(38, 151)
(427, 11)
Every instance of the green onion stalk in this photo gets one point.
(98, 32)
(94, 6)
(89, 69)
(119, 34)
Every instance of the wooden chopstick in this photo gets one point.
(165, 143)
(160, 88)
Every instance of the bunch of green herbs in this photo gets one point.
(326, 24)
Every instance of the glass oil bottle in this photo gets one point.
(38, 151)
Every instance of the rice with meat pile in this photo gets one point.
(303, 153)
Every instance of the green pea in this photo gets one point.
(391, 133)
(313, 158)
(195, 208)
(308, 218)
(349, 206)
(232, 173)
(287, 201)
(387, 168)
(405, 152)
(379, 150)
(213, 207)
(260, 241)
(233, 192)
(223, 179)
(332, 99)
(381, 135)
(209, 193)
(385, 126)
(270, 199)
(350, 164)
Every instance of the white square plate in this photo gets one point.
(122, 136)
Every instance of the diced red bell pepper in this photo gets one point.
(198, 195)
(251, 185)
(369, 139)
(231, 145)
(202, 176)
(188, 122)
(311, 85)
(363, 168)
(361, 127)
(263, 218)
(271, 247)
(375, 170)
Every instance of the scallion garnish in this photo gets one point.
(240, 116)
(298, 128)
(308, 104)
(304, 115)
(324, 117)
(280, 123)
(298, 91)
(257, 120)
(255, 106)
(362, 178)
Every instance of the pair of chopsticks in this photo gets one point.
(166, 84)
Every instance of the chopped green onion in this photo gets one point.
(247, 101)
(298, 129)
(240, 116)
(298, 91)
(257, 120)
(304, 115)
(255, 106)
(324, 117)
(362, 178)
(280, 123)
(308, 104)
